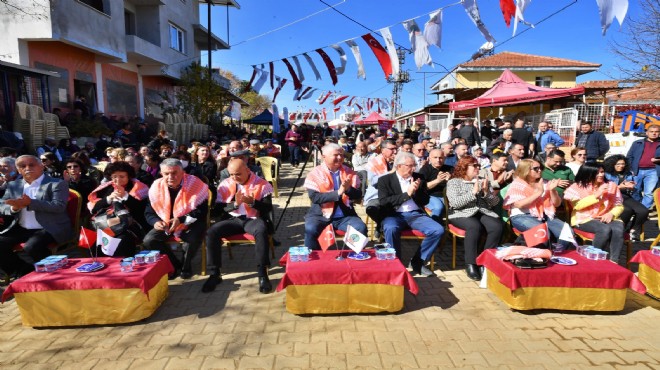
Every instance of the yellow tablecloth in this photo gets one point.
(343, 298)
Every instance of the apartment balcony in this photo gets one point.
(141, 51)
(202, 41)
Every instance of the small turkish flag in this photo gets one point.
(87, 238)
(536, 235)
(327, 237)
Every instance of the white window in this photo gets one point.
(177, 38)
(544, 81)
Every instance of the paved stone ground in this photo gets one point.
(450, 323)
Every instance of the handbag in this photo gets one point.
(116, 218)
(530, 263)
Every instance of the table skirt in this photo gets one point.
(90, 307)
(344, 298)
(558, 298)
(650, 278)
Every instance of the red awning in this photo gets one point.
(372, 119)
(509, 89)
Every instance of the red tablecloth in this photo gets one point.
(143, 277)
(586, 274)
(647, 258)
(323, 268)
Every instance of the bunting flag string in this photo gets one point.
(473, 12)
(280, 84)
(520, 9)
(249, 84)
(418, 44)
(380, 53)
(261, 81)
(610, 9)
(307, 95)
(323, 99)
(296, 83)
(508, 8)
(339, 99)
(391, 50)
(355, 49)
(329, 65)
(272, 74)
(342, 59)
(433, 29)
(313, 66)
(301, 76)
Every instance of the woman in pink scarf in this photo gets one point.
(532, 200)
(597, 205)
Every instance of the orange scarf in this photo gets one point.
(139, 192)
(256, 187)
(520, 189)
(319, 179)
(193, 193)
(377, 165)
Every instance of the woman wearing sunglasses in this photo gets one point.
(532, 201)
(579, 156)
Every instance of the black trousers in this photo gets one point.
(36, 246)
(632, 207)
(255, 227)
(475, 227)
(192, 238)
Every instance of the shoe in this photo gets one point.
(211, 283)
(473, 272)
(426, 272)
(418, 268)
(264, 285)
(175, 274)
(634, 235)
(185, 274)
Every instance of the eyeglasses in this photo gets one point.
(73, 166)
(580, 155)
(44, 159)
(475, 165)
(537, 169)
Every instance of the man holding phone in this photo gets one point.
(644, 159)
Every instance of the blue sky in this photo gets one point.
(573, 33)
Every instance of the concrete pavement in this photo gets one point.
(450, 323)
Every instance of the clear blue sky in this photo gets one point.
(574, 33)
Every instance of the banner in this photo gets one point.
(301, 76)
(520, 9)
(391, 49)
(307, 95)
(508, 8)
(610, 9)
(339, 99)
(355, 49)
(380, 53)
(271, 66)
(418, 44)
(313, 66)
(285, 114)
(329, 65)
(433, 29)
(473, 12)
(342, 59)
(249, 84)
(276, 119)
(280, 84)
(261, 81)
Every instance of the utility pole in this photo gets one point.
(401, 78)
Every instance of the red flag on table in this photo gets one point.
(327, 237)
(536, 235)
(87, 238)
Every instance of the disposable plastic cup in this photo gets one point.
(656, 251)
(391, 254)
(126, 266)
(381, 254)
(602, 256)
(139, 259)
(151, 257)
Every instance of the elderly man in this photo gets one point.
(546, 150)
(360, 159)
(246, 199)
(178, 205)
(420, 156)
(243, 155)
(378, 166)
(436, 174)
(644, 159)
(403, 195)
(331, 187)
(8, 173)
(37, 203)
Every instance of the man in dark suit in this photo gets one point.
(38, 204)
(516, 154)
(521, 136)
(403, 195)
(332, 187)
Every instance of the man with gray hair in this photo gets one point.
(403, 195)
(332, 188)
(178, 206)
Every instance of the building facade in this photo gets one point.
(124, 57)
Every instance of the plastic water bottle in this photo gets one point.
(293, 254)
(303, 253)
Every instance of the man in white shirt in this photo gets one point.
(38, 204)
(403, 195)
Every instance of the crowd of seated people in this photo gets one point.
(406, 180)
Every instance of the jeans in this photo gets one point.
(437, 206)
(295, 155)
(611, 233)
(646, 179)
(526, 222)
(474, 227)
(315, 225)
(192, 240)
(417, 220)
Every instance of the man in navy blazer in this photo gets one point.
(403, 195)
(38, 204)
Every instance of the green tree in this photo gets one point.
(201, 96)
(257, 103)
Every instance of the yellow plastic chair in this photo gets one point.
(269, 166)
